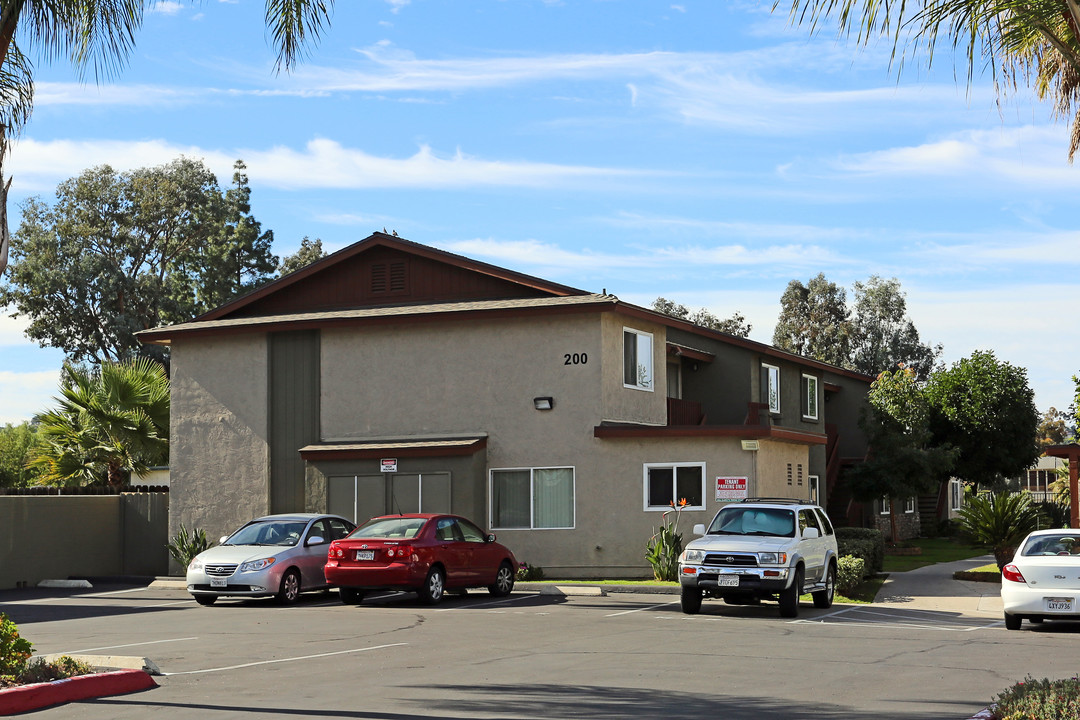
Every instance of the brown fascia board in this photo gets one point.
(1070, 451)
(662, 319)
(163, 336)
(329, 452)
(758, 432)
(378, 239)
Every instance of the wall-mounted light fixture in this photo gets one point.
(543, 403)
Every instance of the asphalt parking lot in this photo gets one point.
(537, 656)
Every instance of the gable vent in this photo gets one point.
(389, 278)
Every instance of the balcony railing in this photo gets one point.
(684, 412)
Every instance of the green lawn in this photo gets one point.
(934, 550)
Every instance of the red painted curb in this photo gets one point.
(81, 687)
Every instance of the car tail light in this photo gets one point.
(1012, 573)
(335, 551)
(402, 553)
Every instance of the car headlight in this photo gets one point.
(693, 556)
(772, 558)
(257, 564)
(195, 565)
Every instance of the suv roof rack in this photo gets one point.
(777, 500)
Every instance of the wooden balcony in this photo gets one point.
(684, 412)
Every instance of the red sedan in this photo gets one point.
(423, 553)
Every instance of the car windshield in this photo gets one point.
(389, 528)
(734, 520)
(268, 532)
(1058, 544)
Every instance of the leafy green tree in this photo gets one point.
(309, 251)
(1053, 428)
(122, 252)
(1035, 42)
(17, 443)
(735, 325)
(985, 408)
(902, 461)
(109, 423)
(815, 322)
(882, 333)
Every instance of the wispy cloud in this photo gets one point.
(23, 392)
(166, 7)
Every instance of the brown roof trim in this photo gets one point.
(1070, 451)
(378, 239)
(401, 315)
(662, 319)
(405, 448)
(832, 387)
(689, 352)
(626, 430)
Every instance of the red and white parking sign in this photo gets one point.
(730, 488)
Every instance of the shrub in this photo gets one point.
(38, 670)
(849, 573)
(1001, 521)
(665, 546)
(528, 572)
(865, 543)
(186, 545)
(1054, 514)
(1040, 699)
(14, 650)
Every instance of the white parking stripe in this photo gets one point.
(493, 602)
(282, 660)
(114, 647)
(640, 609)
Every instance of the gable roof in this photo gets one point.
(386, 270)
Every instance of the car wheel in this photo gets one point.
(206, 599)
(504, 581)
(824, 598)
(289, 592)
(690, 600)
(1012, 622)
(789, 597)
(351, 596)
(434, 586)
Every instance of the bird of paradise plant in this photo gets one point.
(664, 547)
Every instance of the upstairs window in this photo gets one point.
(637, 359)
(810, 397)
(770, 387)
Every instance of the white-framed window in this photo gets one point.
(637, 359)
(532, 498)
(770, 387)
(909, 505)
(812, 482)
(667, 483)
(885, 505)
(810, 397)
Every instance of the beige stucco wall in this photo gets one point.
(218, 454)
(623, 404)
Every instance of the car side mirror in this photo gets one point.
(699, 529)
(222, 539)
(490, 538)
(315, 540)
(811, 532)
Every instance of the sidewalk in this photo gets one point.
(933, 588)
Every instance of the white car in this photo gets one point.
(276, 555)
(1043, 580)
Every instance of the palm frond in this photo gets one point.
(295, 25)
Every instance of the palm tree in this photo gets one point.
(108, 424)
(1036, 42)
(97, 35)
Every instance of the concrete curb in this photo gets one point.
(64, 584)
(109, 662)
(82, 687)
(584, 588)
(564, 590)
(168, 584)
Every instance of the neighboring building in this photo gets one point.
(1036, 480)
(391, 376)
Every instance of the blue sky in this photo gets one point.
(703, 151)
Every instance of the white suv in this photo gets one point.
(771, 548)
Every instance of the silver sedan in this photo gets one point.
(273, 556)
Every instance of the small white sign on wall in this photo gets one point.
(730, 488)
(388, 464)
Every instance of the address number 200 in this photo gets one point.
(575, 358)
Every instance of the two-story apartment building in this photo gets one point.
(394, 377)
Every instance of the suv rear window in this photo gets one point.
(735, 520)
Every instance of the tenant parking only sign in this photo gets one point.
(730, 488)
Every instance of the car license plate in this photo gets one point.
(219, 582)
(1058, 604)
(365, 554)
(728, 581)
